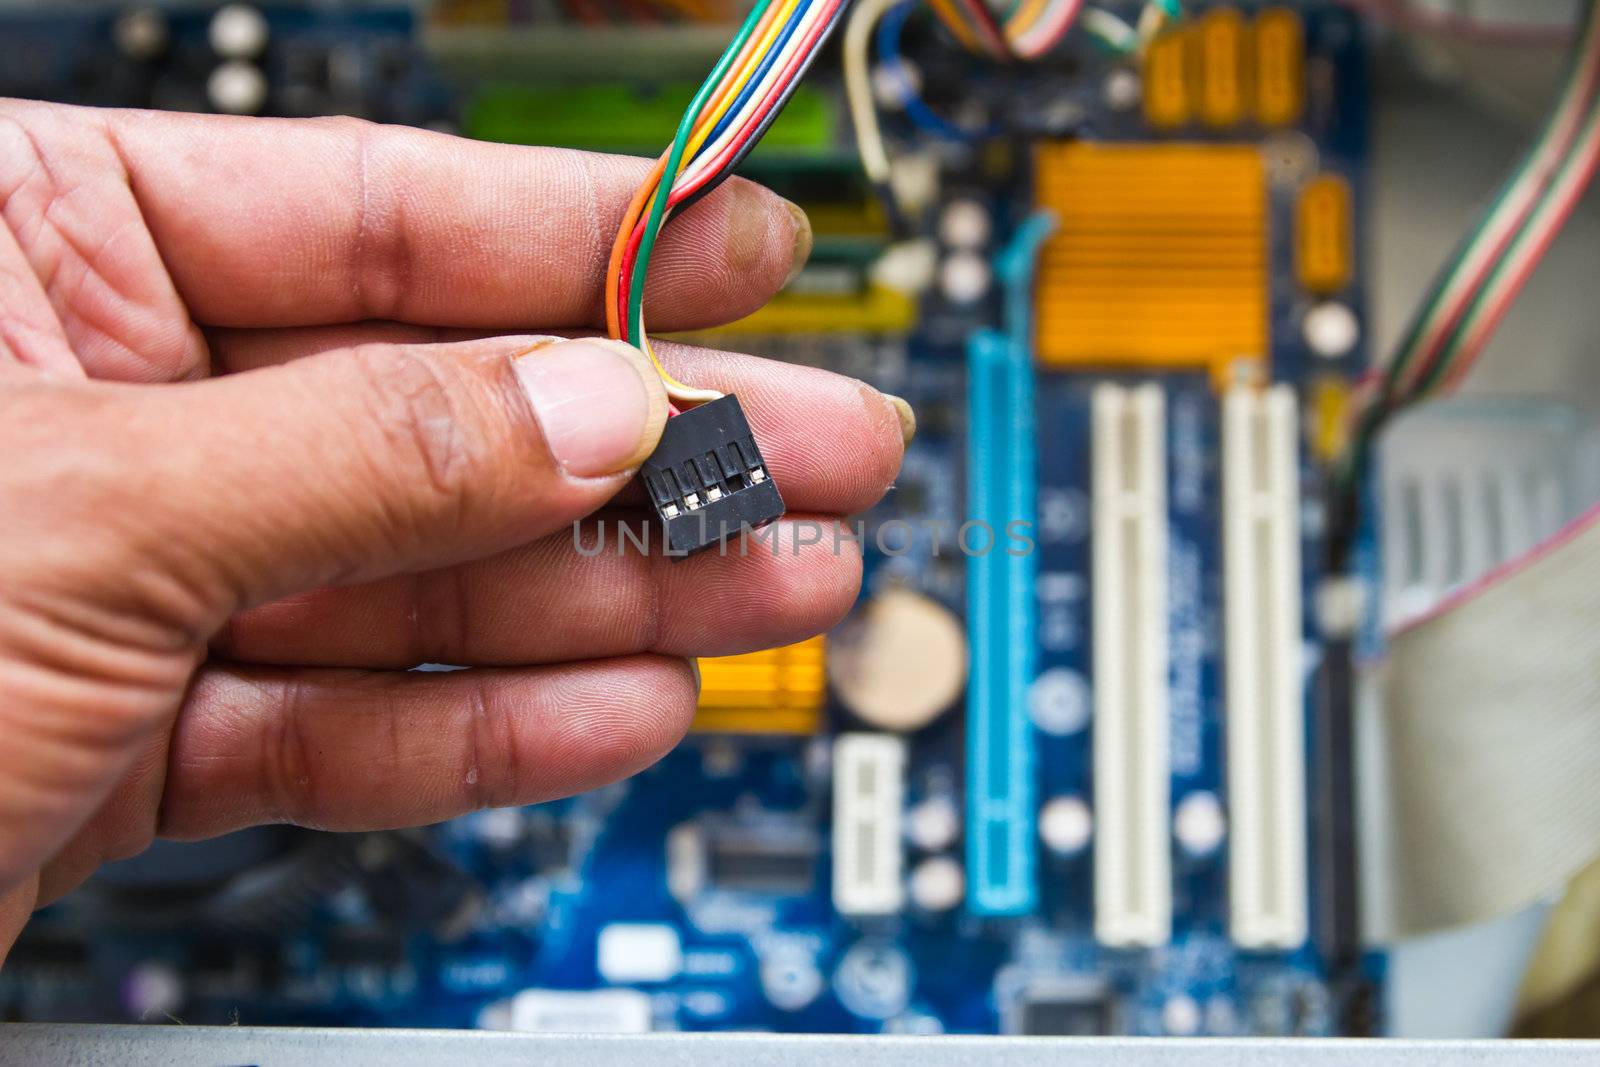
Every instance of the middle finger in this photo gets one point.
(548, 602)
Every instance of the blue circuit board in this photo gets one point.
(509, 910)
(319, 59)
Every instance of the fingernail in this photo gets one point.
(907, 417)
(600, 403)
(803, 239)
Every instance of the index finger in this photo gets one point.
(265, 222)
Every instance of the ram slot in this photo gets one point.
(1002, 455)
(1132, 783)
(1265, 709)
(869, 773)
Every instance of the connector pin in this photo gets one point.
(707, 479)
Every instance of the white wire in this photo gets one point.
(1036, 41)
(702, 161)
(858, 88)
(1549, 217)
(1513, 210)
(1111, 29)
(813, 12)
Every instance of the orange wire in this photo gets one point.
(734, 81)
(744, 66)
(1024, 19)
(956, 24)
(642, 195)
(629, 220)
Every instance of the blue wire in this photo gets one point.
(917, 109)
(760, 72)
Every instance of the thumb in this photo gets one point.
(380, 459)
(137, 518)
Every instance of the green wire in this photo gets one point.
(658, 207)
(1452, 349)
(1110, 33)
(1428, 314)
(1385, 405)
(1423, 321)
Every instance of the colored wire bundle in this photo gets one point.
(858, 90)
(733, 109)
(1487, 272)
(893, 65)
(1034, 27)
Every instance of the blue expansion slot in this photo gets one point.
(1002, 475)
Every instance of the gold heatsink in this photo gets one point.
(1160, 260)
(779, 691)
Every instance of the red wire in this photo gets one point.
(1525, 272)
(985, 20)
(1066, 24)
(1590, 86)
(785, 76)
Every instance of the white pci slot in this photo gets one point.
(869, 772)
(1132, 773)
(1264, 685)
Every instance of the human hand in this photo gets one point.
(252, 471)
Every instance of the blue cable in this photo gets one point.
(760, 71)
(917, 109)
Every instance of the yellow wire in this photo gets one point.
(704, 127)
(956, 24)
(702, 130)
(676, 389)
(1025, 17)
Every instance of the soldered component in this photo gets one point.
(1225, 71)
(1199, 824)
(627, 953)
(774, 859)
(934, 824)
(707, 479)
(1331, 329)
(874, 979)
(237, 87)
(937, 884)
(1265, 668)
(1223, 40)
(1168, 101)
(777, 691)
(1280, 62)
(1160, 260)
(1132, 772)
(1328, 406)
(1066, 825)
(1062, 1007)
(142, 34)
(239, 31)
(586, 1011)
(1324, 235)
(900, 663)
(869, 772)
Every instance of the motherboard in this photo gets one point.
(1078, 763)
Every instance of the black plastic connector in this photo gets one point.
(707, 479)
